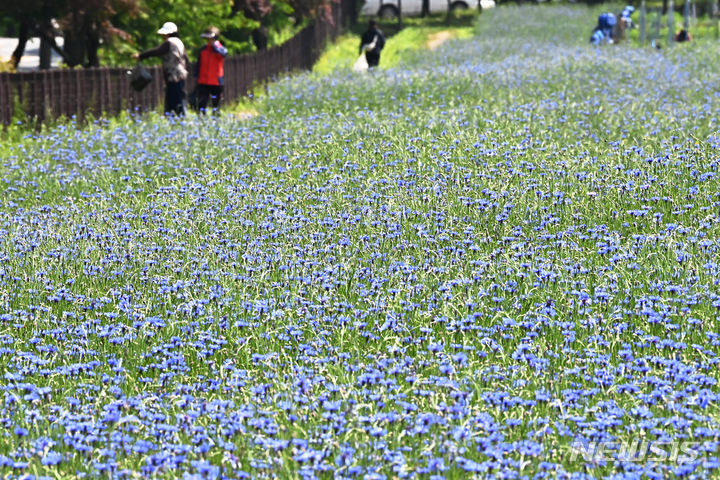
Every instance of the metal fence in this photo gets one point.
(49, 94)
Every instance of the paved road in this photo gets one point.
(31, 60)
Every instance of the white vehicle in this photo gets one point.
(387, 9)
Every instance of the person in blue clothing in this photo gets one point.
(597, 37)
(624, 24)
(604, 31)
(210, 70)
(626, 17)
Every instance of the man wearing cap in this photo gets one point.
(175, 64)
(210, 70)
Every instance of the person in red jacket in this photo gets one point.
(209, 70)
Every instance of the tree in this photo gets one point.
(25, 15)
(84, 23)
(191, 17)
(88, 22)
(245, 25)
(257, 11)
(304, 9)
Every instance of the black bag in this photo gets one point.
(140, 77)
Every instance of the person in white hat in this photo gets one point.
(175, 67)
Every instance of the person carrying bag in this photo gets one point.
(371, 43)
(175, 64)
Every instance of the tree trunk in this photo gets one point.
(74, 48)
(93, 45)
(75, 44)
(49, 37)
(425, 8)
(23, 37)
(45, 54)
(46, 33)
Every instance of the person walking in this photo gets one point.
(372, 42)
(683, 36)
(175, 65)
(210, 70)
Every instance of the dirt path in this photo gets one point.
(245, 114)
(437, 39)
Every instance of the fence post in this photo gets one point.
(47, 95)
(57, 98)
(109, 92)
(126, 98)
(671, 22)
(643, 14)
(247, 74)
(656, 29)
(5, 100)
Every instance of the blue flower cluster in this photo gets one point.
(503, 266)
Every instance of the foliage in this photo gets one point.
(29, 9)
(474, 262)
(192, 18)
(305, 10)
(6, 66)
(18, 131)
(6, 25)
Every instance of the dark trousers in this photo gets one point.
(209, 93)
(372, 58)
(175, 98)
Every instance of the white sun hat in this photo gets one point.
(168, 28)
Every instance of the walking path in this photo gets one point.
(437, 39)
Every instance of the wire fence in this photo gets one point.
(48, 94)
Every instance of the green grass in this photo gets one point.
(402, 41)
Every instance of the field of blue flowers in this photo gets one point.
(476, 264)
